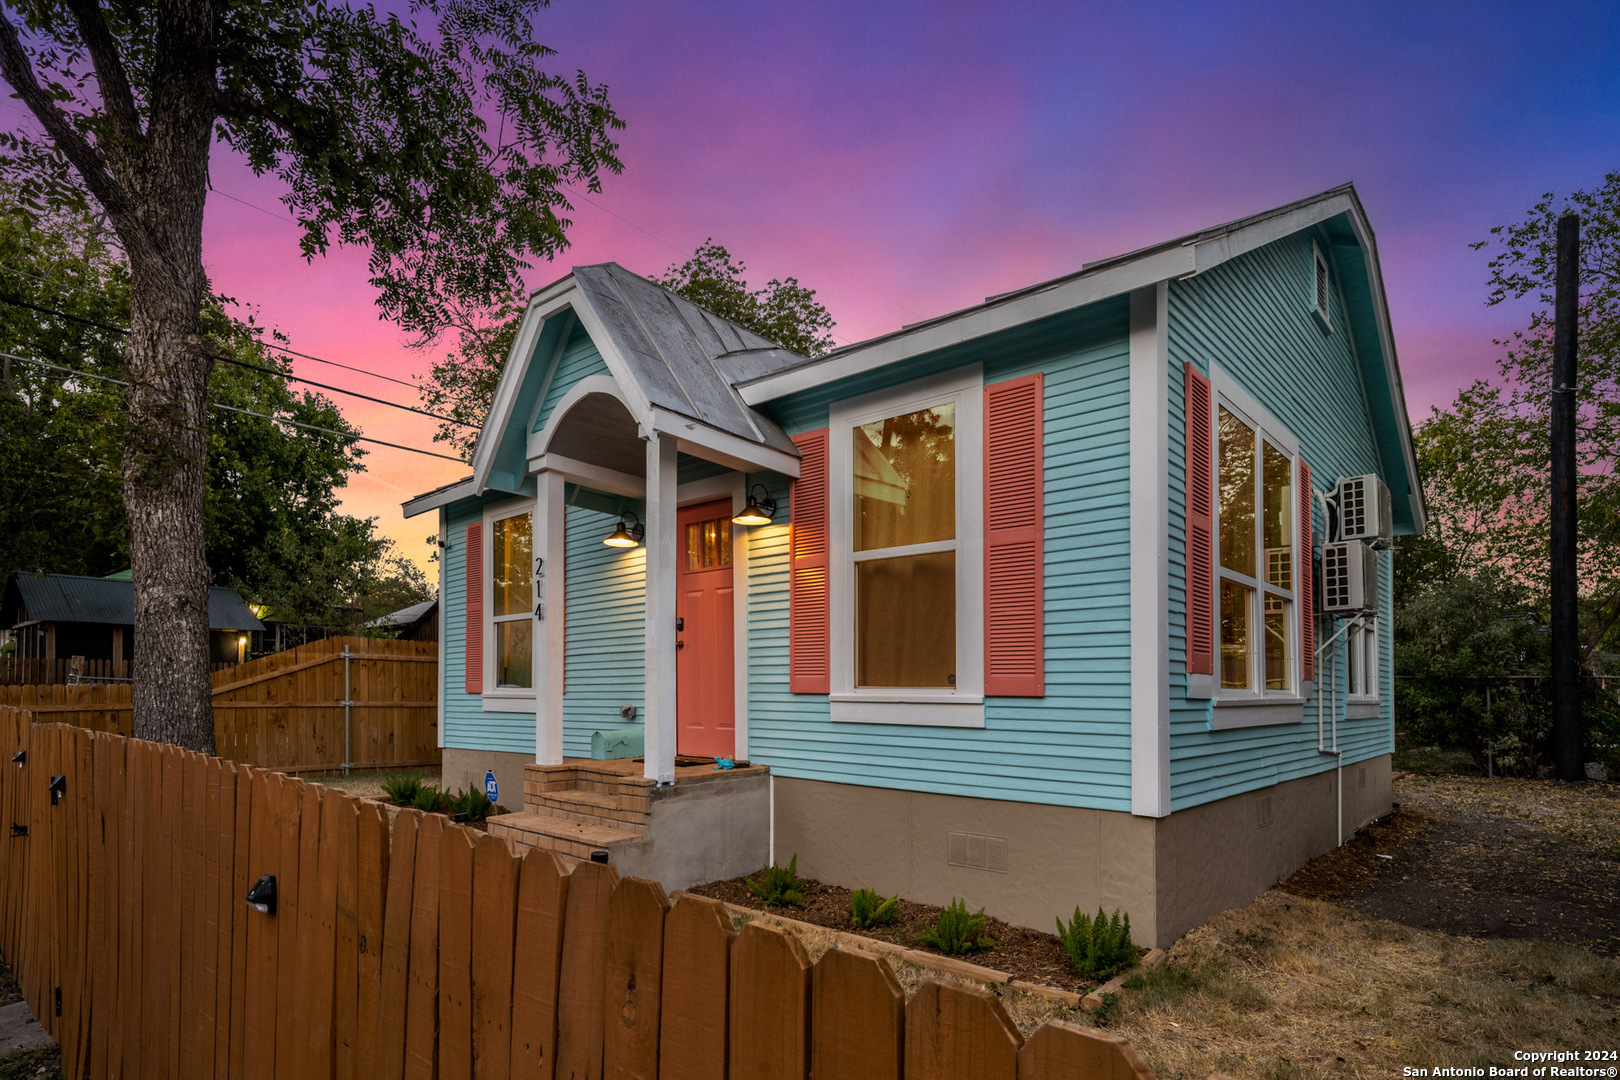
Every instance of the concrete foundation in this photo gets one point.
(466, 769)
(701, 832)
(1027, 864)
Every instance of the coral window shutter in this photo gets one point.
(1014, 538)
(1307, 583)
(1200, 531)
(475, 608)
(809, 641)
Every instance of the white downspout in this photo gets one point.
(1333, 690)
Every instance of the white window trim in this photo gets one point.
(513, 699)
(962, 705)
(1255, 704)
(1324, 315)
(1364, 637)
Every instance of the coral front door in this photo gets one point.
(703, 656)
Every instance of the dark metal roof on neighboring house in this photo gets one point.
(71, 598)
(406, 616)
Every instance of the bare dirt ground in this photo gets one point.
(1501, 858)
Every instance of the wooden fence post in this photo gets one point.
(584, 960)
(537, 954)
(495, 878)
(770, 1006)
(958, 1032)
(633, 982)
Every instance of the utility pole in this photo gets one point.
(1565, 643)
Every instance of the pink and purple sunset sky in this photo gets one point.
(906, 160)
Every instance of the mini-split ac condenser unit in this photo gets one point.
(1349, 577)
(1363, 503)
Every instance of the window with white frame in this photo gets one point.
(907, 572)
(511, 600)
(1361, 662)
(1257, 586)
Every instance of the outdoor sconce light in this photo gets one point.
(19, 758)
(262, 897)
(627, 536)
(58, 789)
(758, 511)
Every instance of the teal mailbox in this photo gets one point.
(617, 743)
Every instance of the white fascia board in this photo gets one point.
(700, 440)
(629, 392)
(1087, 288)
(595, 477)
(435, 499)
(1392, 367)
(1113, 277)
(517, 362)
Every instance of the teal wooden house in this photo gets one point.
(1078, 596)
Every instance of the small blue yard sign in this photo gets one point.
(492, 790)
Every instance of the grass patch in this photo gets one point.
(34, 1063)
(1295, 988)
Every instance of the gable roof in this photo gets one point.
(1337, 211)
(74, 598)
(675, 365)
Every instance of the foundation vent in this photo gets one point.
(978, 851)
(1262, 809)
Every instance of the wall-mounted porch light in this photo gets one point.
(627, 535)
(262, 897)
(758, 511)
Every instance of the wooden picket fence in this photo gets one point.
(285, 711)
(430, 950)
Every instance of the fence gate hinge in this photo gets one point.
(58, 1001)
(18, 830)
(58, 789)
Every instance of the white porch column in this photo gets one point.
(661, 568)
(548, 618)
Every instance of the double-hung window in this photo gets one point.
(1257, 568)
(511, 601)
(907, 569)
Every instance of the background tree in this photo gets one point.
(379, 127)
(1486, 463)
(462, 385)
(272, 526)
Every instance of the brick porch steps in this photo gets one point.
(576, 839)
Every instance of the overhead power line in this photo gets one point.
(18, 302)
(266, 344)
(232, 408)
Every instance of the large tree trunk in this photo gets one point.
(165, 456)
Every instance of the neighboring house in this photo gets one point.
(1030, 623)
(419, 622)
(60, 616)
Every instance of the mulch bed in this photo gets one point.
(1023, 954)
(1503, 858)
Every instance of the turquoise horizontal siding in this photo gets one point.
(1251, 317)
(466, 725)
(1071, 747)
(579, 359)
(606, 644)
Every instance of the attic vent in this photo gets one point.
(1320, 294)
(978, 851)
(1262, 812)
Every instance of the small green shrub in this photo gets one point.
(472, 802)
(402, 790)
(778, 887)
(957, 932)
(430, 800)
(867, 909)
(1099, 948)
